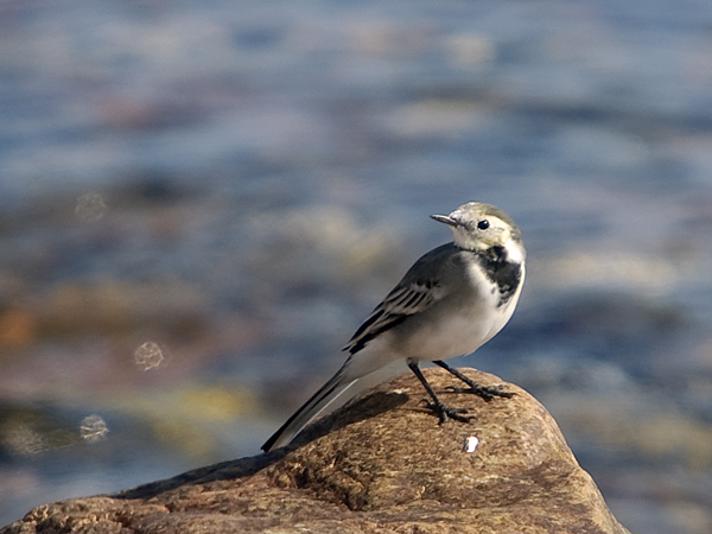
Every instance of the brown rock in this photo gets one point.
(381, 464)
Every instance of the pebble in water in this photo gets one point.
(149, 355)
(93, 429)
(90, 207)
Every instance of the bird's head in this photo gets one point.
(477, 226)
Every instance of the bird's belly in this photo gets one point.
(454, 338)
(459, 334)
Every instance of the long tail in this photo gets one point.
(327, 394)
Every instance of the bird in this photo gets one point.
(453, 300)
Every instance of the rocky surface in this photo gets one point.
(380, 464)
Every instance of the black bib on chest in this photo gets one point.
(505, 274)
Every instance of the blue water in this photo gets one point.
(266, 172)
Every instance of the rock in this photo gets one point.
(380, 464)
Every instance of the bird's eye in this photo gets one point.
(483, 224)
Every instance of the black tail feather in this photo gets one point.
(309, 410)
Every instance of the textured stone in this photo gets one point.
(381, 464)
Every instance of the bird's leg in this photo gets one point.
(486, 392)
(442, 411)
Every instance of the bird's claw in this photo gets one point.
(486, 392)
(446, 412)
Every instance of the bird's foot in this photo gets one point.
(486, 392)
(446, 412)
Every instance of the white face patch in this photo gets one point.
(515, 251)
(497, 234)
(463, 238)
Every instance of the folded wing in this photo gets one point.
(406, 299)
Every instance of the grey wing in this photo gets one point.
(420, 288)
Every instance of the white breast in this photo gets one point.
(491, 317)
(466, 328)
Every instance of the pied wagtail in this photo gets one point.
(451, 301)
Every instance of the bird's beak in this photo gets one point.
(445, 219)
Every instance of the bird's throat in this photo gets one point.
(498, 267)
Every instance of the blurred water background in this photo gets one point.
(199, 201)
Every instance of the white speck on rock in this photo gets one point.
(471, 444)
